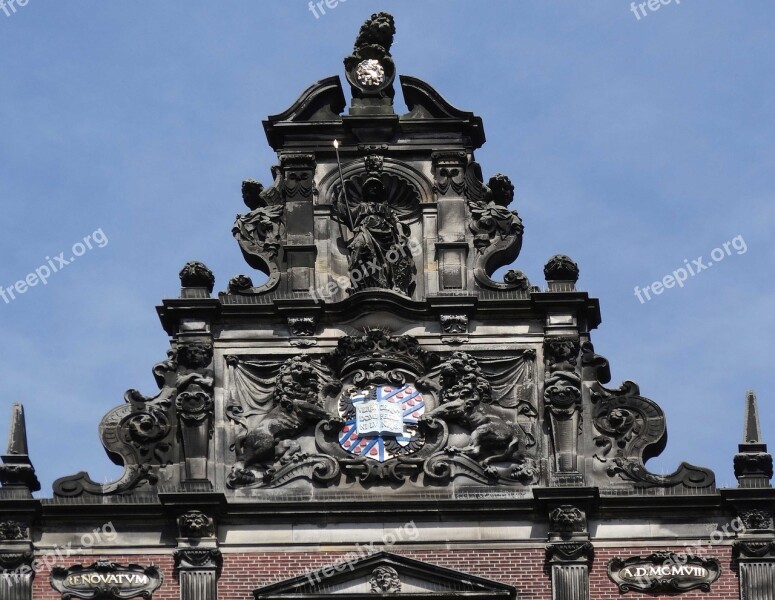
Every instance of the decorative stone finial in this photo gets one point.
(239, 284)
(753, 464)
(17, 438)
(753, 432)
(370, 68)
(561, 269)
(196, 275)
(17, 470)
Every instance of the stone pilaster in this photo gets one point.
(17, 572)
(569, 553)
(569, 564)
(756, 564)
(198, 560)
(198, 569)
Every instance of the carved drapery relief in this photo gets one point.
(380, 408)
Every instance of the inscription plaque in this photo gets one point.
(664, 572)
(105, 580)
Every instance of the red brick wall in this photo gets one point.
(522, 568)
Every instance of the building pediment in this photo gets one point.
(385, 574)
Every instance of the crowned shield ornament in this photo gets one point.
(381, 421)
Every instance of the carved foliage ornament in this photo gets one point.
(756, 519)
(196, 274)
(240, 284)
(753, 463)
(561, 268)
(753, 549)
(517, 280)
(13, 531)
(105, 580)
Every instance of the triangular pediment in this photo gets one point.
(385, 574)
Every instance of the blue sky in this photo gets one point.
(633, 143)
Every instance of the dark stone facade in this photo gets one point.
(380, 387)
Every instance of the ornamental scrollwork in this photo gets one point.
(141, 432)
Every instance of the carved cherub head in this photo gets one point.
(502, 189)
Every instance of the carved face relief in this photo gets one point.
(385, 580)
(195, 524)
(370, 73)
(381, 421)
(567, 519)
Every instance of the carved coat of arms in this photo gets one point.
(381, 421)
